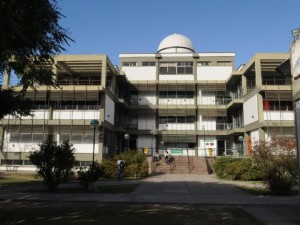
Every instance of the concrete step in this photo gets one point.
(181, 165)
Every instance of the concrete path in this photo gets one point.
(178, 189)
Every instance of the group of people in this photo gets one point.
(167, 155)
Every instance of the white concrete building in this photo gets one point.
(190, 103)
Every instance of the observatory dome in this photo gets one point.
(175, 43)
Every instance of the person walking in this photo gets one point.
(121, 166)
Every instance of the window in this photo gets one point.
(174, 94)
(129, 64)
(184, 68)
(277, 106)
(204, 63)
(148, 63)
(224, 63)
(176, 68)
(180, 119)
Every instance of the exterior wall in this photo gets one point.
(207, 146)
(147, 141)
(76, 114)
(251, 110)
(279, 115)
(176, 77)
(255, 137)
(146, 122)
(213, 72)
(138, 73)
(207, 98)
(146, 98)
(109, 110)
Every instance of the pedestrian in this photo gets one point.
(121, 166)
(167, 157)
(156, 157)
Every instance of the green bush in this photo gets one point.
(109, 167)
(278, 162)
(89, 175)
(220, 166)
(136, 165)
(236, 169)
(54, 162)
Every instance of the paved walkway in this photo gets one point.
(181, 189)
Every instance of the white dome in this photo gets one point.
(175, 43)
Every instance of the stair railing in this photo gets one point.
(190, 162)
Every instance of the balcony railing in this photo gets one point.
(79, 82)
(276, 81)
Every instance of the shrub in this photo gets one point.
(243, 169)
(136, 165)
(236, 169)
(220, 166)
(278, 162)
(89, 175)
(54, 162)
(109, 167)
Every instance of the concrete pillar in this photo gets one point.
(103, 72)
(258, 77)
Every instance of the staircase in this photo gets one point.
(181, 165)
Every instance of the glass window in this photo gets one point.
(163, 94)
(129, 64)
(180, 119)
(172, 94)
(176, 68)
(224, 63)
(148, 63)
(190, 119)
(204, 63)
(181, 94)
(189, 94)
(171, 119)
(163, 119)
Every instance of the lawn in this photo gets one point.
(16, 212)
(18, 178)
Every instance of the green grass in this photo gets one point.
(54, 213)
(16, 178)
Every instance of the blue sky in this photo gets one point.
(245, 27)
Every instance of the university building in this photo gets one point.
(193, 104)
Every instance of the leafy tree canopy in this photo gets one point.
(30, 37)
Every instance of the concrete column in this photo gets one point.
(244, 85)
(260, 108)
(261, 134)
(103, 73)
(258, 77)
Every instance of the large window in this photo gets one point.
(129, 64)
(204, 63)
(176, 94)
(224, 63)
(148, 63)
(75, 105)
(278, 106)
(176, 68)
(178, 119)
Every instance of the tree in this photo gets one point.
(54, 162)
(30, 37)
(277, 160)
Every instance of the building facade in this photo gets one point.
(176, 99)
